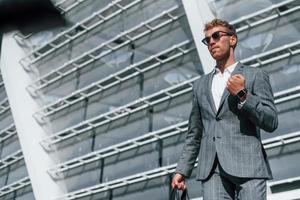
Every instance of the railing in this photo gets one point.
(65, 6)
(4, 106)
(266, 15)
(128, 109)
(129, 72)
(287, 95)
(57, 171)
(281, 140)
(111, 10)
(15, 186)
(170, 131)
(13, 158)
(280, 182)
(110, 46)
(288, 189)
(163, 171)
(7, 132)
(98, 18)
(273, 55)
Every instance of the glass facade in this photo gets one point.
(114, 91)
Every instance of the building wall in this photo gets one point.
(112, 95)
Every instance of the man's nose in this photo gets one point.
(211, 42)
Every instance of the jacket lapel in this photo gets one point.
(224, 96)
(238, 70)
(210, 97)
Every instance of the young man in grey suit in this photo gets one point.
(230, 106)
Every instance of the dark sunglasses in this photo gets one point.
(216, 36)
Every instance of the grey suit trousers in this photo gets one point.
(220, 186)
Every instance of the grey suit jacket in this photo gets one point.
(231, 134)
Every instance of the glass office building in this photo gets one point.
(98, 109)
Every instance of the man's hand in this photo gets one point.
(178, 182)
(236, 83)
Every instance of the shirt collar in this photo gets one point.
(228, 69)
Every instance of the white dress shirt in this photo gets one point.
(219, 83)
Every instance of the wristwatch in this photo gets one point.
(242, 94)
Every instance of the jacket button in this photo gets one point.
(214, 138)
(218, 118)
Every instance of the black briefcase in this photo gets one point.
(179, 195)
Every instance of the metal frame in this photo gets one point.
(129, 72)
(259, 17)
(154, 136)
(56, 172)
(63, 9)
(162, 171)
(269, 143)
(4, 106)
(126, 37)
(281, 140)
(120, 112)
(67, 36)
(15, 186)
(133, 143)
(7, 132)
(242, 24)
(287, 194)
(273, 55)
(11, 159)
(288, 180)
(287, 95)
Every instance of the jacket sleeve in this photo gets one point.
(192, 140)
(259, 106)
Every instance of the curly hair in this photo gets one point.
(219, 22)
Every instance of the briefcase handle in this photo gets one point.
(174, 195)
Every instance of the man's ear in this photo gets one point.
(233, 41)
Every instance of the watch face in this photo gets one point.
(241, 93)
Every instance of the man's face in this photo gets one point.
(219, 48)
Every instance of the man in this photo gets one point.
(230, 106)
